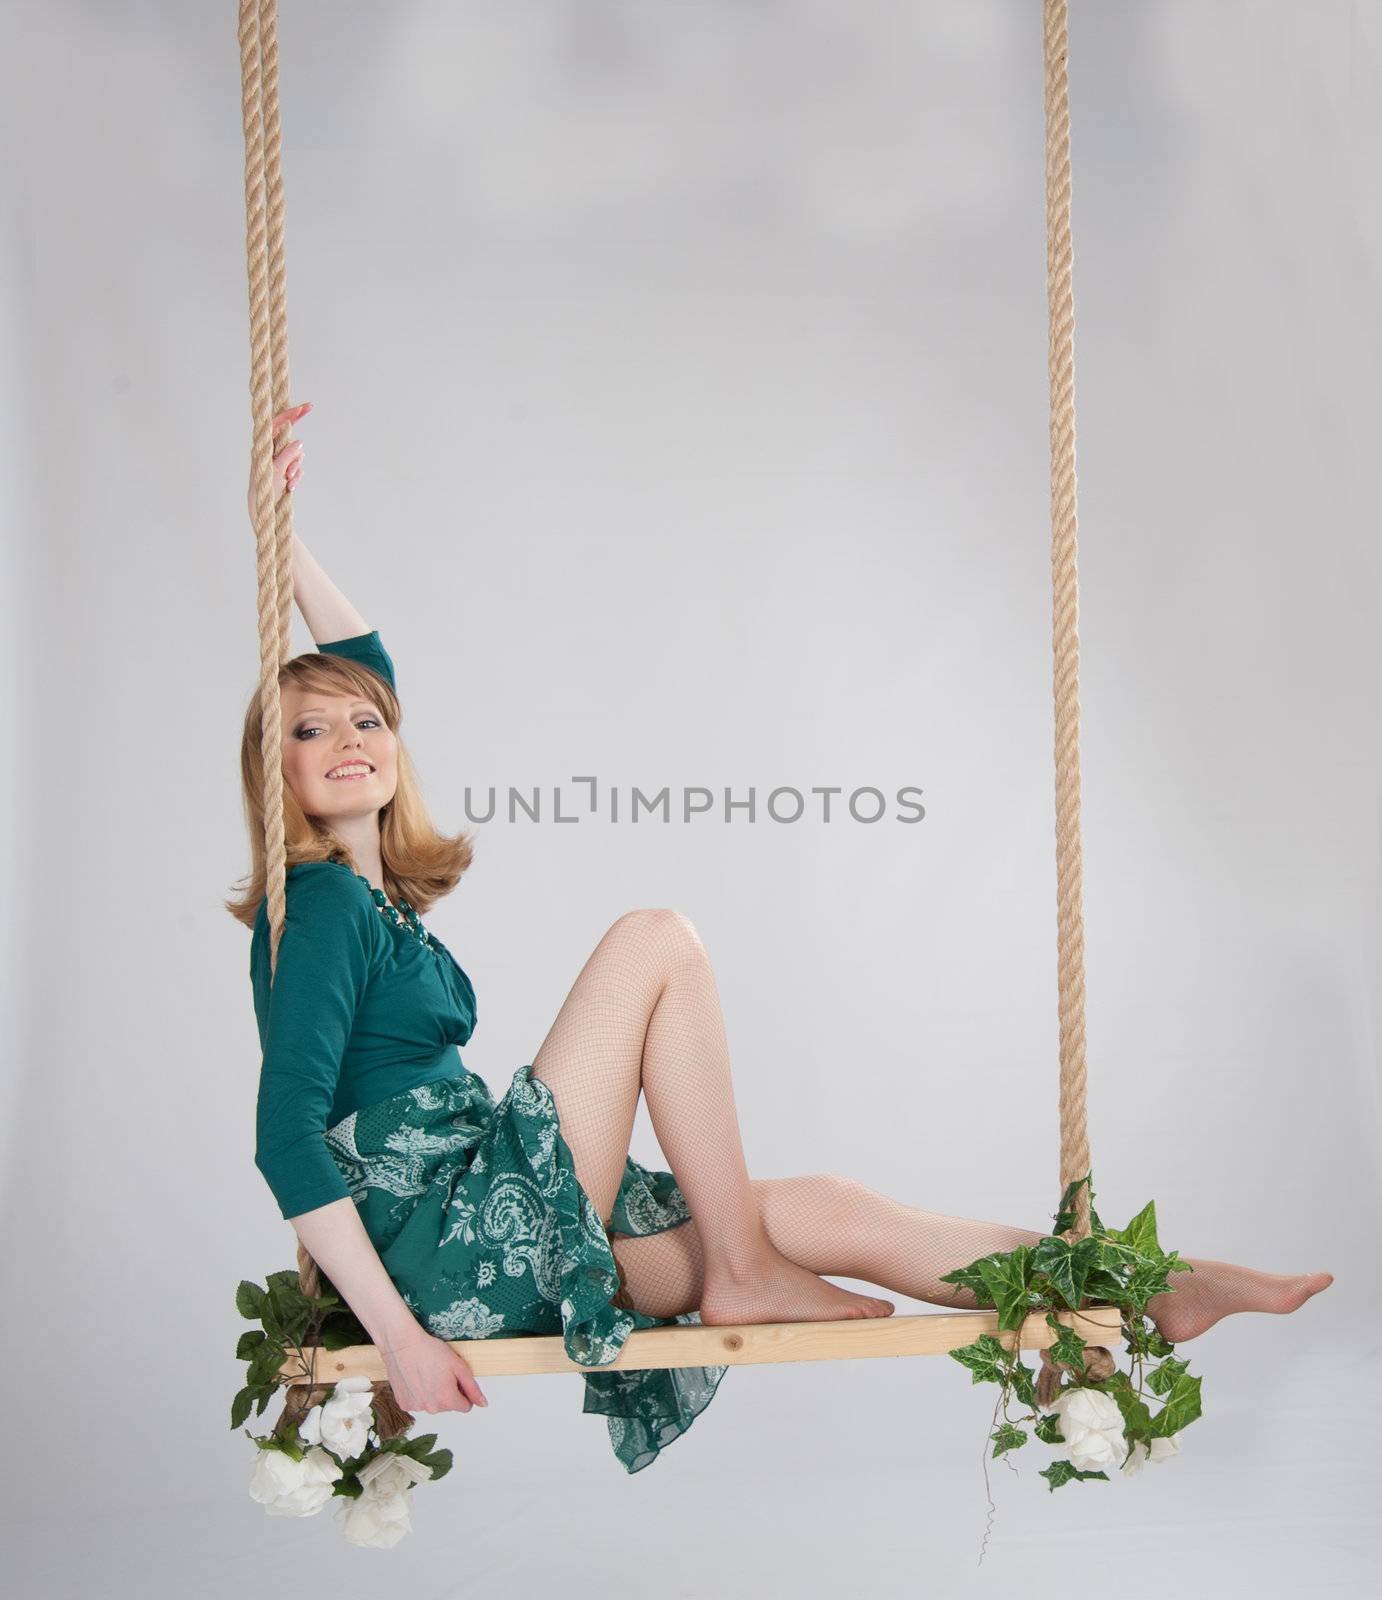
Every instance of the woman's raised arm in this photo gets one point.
(326, 611)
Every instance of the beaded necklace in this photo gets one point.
(401, 915)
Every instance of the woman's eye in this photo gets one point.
(303, 732)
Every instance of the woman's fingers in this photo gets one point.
(287, 418)
(288, 464)
(465, 1378)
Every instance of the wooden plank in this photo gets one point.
(752, 1344)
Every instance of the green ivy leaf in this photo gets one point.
(1137, 1419)
(1105, 1283)
(1087, 1256)
(1064, 1218)
(1023, 1385)
(986, 1358)
(1144, 1339)
(1160, 1380)
(1067, 1346)
(1006, 1276)
(1051, 1257)
(1180, 1409)
(1140, 1233)
(1065, 1212)
(1060, 1472)
(972, 1279)
(1142, 1284)
(1048, 1428)
(1157, 1345)
(1008, 1437)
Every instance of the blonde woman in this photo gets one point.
(440, 1214)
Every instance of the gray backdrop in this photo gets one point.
(680, 383)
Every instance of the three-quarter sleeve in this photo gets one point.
(305, 1019)
(366, 648)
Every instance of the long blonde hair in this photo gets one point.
(420, 864)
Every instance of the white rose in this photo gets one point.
(346, 1417)
(377, 1521)
(288, 1488)
(381, 1515)
(1162, 1450)
(1093, 1428)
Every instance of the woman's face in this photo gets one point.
(323, 733)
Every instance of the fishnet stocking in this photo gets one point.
(644, 1013)
(832, 1224)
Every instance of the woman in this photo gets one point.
(438, 1214)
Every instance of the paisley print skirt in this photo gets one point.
(478, 1216)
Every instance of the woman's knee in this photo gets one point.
(670, 932)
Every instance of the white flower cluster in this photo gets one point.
(1093, 1428)
(339, 1428)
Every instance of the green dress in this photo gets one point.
(474, 1207)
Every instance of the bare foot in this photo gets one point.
(1215, 1289)
(779, 1290)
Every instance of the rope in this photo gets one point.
(269, 392)
(1074, 1111)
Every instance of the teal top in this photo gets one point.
(360, 1009)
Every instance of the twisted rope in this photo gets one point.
(269, 391)
(1074, 1110)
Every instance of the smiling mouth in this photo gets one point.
(349, 777)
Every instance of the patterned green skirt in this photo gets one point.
(479, 1218)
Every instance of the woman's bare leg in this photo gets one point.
(645, 1012)
(828, 1223)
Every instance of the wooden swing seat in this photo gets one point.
(736, 1345)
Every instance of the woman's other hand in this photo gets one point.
(426, 1374)
(287, 461)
